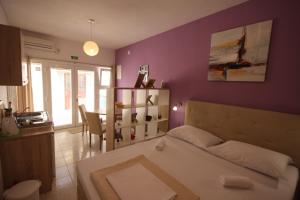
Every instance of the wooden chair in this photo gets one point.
(82, 111)
(95, 126)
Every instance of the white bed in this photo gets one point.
(195, 168)
(200, 171)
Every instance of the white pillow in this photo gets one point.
(195, 136)
(257, 158)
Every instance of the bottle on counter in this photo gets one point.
(9, 125)
(1, 113)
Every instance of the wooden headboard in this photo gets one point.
(273, 130)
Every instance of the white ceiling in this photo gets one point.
(118, 22)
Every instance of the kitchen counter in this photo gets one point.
(35, 130)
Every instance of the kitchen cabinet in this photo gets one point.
(29, 155)
(13, 63)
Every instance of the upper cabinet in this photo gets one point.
(13, 64)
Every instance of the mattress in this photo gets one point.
(195, 168)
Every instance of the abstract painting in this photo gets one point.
(240, 54)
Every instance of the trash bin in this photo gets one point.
(26, 190)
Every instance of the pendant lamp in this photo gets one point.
(90, 47)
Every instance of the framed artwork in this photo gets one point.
(139, 81)
(144, 69)
(240, 54)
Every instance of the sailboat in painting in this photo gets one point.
(240, 54)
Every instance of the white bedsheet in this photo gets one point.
(195, 168)
(144, 184)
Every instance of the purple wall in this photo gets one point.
(180, 58)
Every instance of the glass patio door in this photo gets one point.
(104, 83)
(61, 96)
(59, 87)
(85, 90)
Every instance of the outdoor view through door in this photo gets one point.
(86, 90)
(61, 96)
(59, 89)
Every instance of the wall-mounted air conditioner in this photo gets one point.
(39, 44)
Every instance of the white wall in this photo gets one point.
(68, 48)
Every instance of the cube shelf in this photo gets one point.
(131, 118)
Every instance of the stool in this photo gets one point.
(26, 190)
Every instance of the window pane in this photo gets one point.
(102, 101)
(37, 86)
(86, 90)
(105, 77)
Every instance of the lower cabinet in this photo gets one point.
(28, 157)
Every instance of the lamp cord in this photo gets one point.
(91, 31)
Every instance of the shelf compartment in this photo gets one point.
(129, 106)
(140, 123)
(132, 100)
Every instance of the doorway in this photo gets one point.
(61, 96)
(59, 88)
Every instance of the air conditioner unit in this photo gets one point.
(39, 44)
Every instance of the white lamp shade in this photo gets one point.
(175, 108)
(90, 48)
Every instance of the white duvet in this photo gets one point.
(143, 184)
(196, 169)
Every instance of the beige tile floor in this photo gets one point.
(69, 148)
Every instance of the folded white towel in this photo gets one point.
(160, 144)
(138, 183)
(239, 182)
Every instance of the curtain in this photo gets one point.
(24, 93)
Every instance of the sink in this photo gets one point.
(30, 118)
(28, 114)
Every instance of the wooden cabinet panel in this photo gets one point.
(28, 158)
(11, 56)
(4, 54)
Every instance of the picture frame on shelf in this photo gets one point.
(150, 83)
(139, 81)
(144, 69)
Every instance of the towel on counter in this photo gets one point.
(160, 144)
(239, 182)
(136, 183)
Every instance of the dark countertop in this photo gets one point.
(29, 131)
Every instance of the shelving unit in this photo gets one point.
(123, 103)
